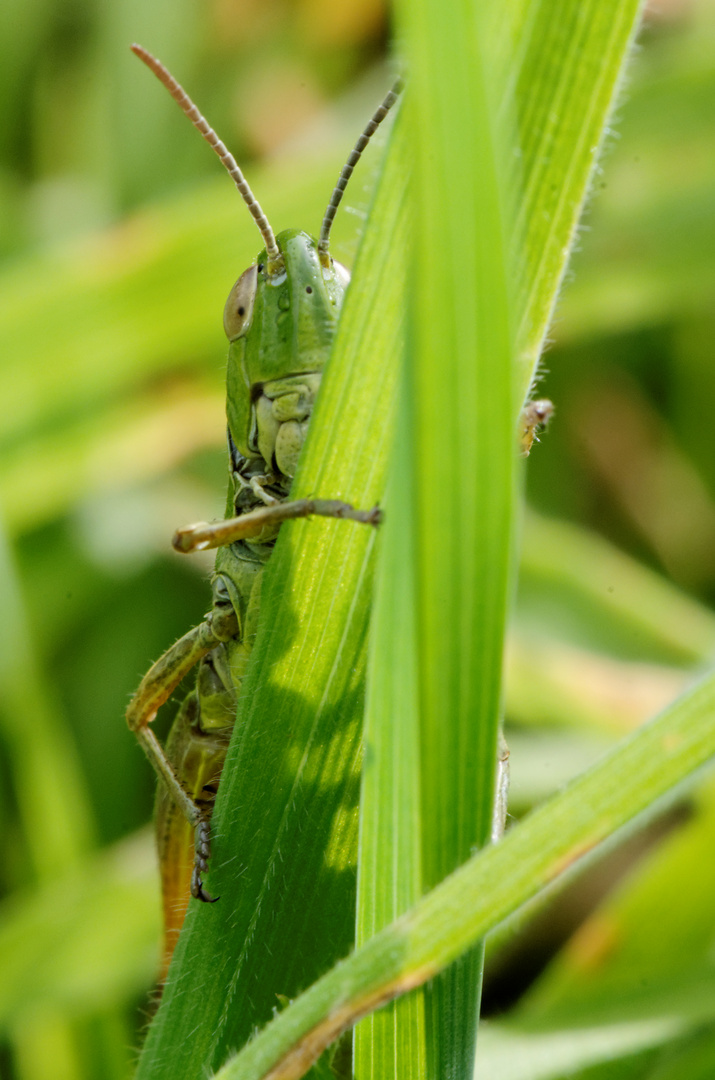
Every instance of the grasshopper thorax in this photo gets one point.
(280, 327)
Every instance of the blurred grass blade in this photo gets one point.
(645, 605)
(74, 950)
(649, 258)
(56, 951)
(492, 885)
(49, 786)
(646, 950)
(692, 1057)
(551, 682)
(507, 1052)
(285, 822)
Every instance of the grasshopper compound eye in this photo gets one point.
(239, 306)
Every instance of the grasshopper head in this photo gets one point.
(281, 314)
(280, 327)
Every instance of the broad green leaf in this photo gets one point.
(488, 888)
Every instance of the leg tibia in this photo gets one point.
(203, 535)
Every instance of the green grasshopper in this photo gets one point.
(280, 320)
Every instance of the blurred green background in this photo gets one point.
(120, 239)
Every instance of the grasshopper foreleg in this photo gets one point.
(202, 535)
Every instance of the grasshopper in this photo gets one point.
(280, 320)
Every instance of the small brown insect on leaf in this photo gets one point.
(534, 416)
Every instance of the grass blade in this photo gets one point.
(565, 90)
(492, 885)
(469, 75)
(392, 1041)
(461, 424)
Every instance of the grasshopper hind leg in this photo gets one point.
(197, 747)
(190, 764)
(184, 843)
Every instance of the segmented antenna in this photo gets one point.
(350, 164)
(186, 104)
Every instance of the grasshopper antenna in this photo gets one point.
(348, 167)
(186, 104)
